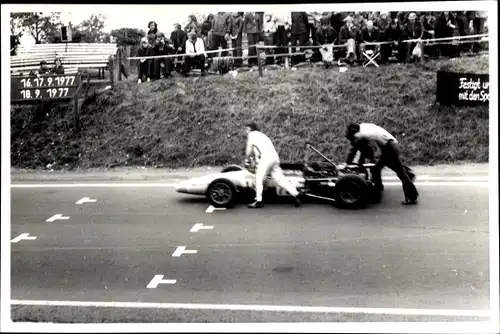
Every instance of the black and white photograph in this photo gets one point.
(323, 167)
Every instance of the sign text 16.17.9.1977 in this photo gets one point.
(44, 87)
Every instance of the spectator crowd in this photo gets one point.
(348, 29)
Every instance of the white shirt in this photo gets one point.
(200, 47)
(261, 146)
(374, 133)
(281, 18)
(269, 26)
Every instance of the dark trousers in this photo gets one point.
(385, 52)
(269, 40)
(390, 158)
(302, 39)
(144, 70)
(159, 71)
(281, 40)
(252, 51)
(236, 43)
(217, 41)
(311, 33)
(478, 24)
(196, 61)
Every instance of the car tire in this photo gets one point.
(352, 192)
(231, 168)
(221, 193)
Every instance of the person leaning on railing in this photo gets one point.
(349, 36)
(221, 31)
(444, 26)
(269, 29)
(300, 34)
(237, 37)
(412, 30)
(427, 20)
(252, 27)
(326, 34)
(395, 35)
(383, 23)
(463, 30)
(179, 38)
(281, 20)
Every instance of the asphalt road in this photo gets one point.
(431, 256)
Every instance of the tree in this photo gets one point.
(14, 43)
(41, 26)
(92, 29)
(128, 36)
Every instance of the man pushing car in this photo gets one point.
(268, 163)
(358, 134)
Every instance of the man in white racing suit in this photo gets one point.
(268, 163)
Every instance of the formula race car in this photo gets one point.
(348, 186)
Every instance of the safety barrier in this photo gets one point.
(425, 42)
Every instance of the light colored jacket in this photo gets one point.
(261, 147)
(199, 45)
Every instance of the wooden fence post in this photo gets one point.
(288, 60)
(116, 67)
(120, 62)
(111, 66)
(408, 53)
(422, 60)
(259, 61)
(126, 61)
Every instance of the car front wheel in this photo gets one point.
(221, 193)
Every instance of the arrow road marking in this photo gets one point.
(57, 217)
(199, 226)
(24, 236)
(158, 279)
(182, 250)
(211, 209)
(86, 199)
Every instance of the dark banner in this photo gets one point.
(463, 89)
(43, 87)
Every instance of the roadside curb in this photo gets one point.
(146, 174)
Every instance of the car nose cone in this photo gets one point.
(181, 187)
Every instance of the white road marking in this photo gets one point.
(420, 182)
(85, 200)
(23, 236)
(93, 185)
(199, 226)
(211, 209)
(59, 216)
(262, 308)
(158, 279)
(440, 178)
(182, 250)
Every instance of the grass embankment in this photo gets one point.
(187, 122)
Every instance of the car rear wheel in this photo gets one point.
(351, 192)
(221, 193)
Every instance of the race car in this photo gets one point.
(348, 186)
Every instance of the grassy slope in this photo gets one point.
(193, 122)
